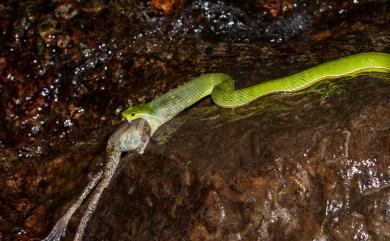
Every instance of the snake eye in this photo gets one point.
(133, 114)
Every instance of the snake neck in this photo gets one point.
(165, 107)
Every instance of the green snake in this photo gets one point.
(136, 134)
(221, 87)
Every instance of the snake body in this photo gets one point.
(221, 87)
(135, 136)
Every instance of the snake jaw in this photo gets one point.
(145, 112)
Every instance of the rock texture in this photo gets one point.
(277, 169)
(305, 167)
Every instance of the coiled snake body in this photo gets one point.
(221, 87)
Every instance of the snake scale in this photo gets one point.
(221, 87)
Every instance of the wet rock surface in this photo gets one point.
(68, 68)
(302, 168)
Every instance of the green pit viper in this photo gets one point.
(221, 87)
(145, 119)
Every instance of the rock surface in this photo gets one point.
(274, 170)
(304, 167)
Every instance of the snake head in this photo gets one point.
(137, 112)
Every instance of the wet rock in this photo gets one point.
(300, 167)
(66, 10)
(47, 29)
(92, 7)
(68, 69)
(168, 6)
